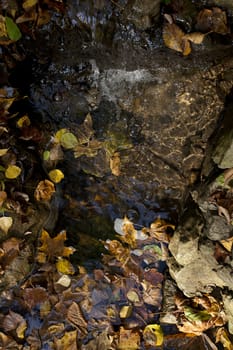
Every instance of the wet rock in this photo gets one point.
(218, 228)
(228, 306)
(143, 13)
(223, 154)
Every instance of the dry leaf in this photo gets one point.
(222, 336)
(14, 321)
(173, 37)
(212, 20)
(3, 151)
(56, 175)
(64, 281)
(126, 311)
(44, 190)
(227, 244)
(23, 121)
(3, 197)
(5, 223)
(75, 316)
(12, 172)
(28, 4)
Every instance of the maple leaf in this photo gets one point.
(53, 247)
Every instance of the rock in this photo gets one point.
(228, 306)
(202, 274)
(218, 228)
(223, 154)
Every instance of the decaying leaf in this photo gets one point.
(44, 190)
(128, 339)
(3, 197)
(75, 316)
(56, 175)
(54, 247)
(222, 336)
(68, 341)
(212, 20)
(14, 321)
(116, 249)
(158, 229)
(5, 223)
(68, 140)
(12, 172)
(115, 163)
(23, 121)
(34, 296)
(196, 37)
(174, 38)
(153, 335)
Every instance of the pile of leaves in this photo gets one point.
(117, 306)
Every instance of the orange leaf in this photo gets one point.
(44, 190)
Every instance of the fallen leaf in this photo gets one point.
(44, 190)
(28, 4)
(54, 247)
(5, 223)
(14, 321)
(75, 316)
(68, 341)
(227, 244)
(65, 267)
(128, 339)
(153, 335)
(3, 151)
(12, 29)
(3, 197)
(56, 175)
(68, 140)
(212, 20)
(222, 336)
(12, 172)
(132, 296)
(125, 311)
(115, 163)
(23, 121)
(196, 37)
(173, 37)
(64, 281)
(34, 296)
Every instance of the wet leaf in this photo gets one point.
(121, 253)
(115, 163)
(196, 37)
(3, 197)
(222, 336)
(12, 29)
(153, 335)
(23, 121)
(126, 229)
(227, 244)
(69, 140)
(34, 296)
(12, 243)
(173, 38)
(28, 4)
(59, 134)
(5, 223)
(212, 20)
(12, 172)
(68, 341)
(125, 311)
(196, 315)
(128, 339)
(3, 151)
(65, 267)
(54, 247)
(75, 316)
(56, 175)
(44, 190)
(152, 295)
(46, 155)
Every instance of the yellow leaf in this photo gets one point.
(23, 121)
(56, 175)
(196, 37)
(133, 296)
(3, 151)
(65, 267)
(153, 335)
(20, 331)
(125, 311)
(5, 223)
(29, 3)
(44, 190)
(227, 243)
(68, 341)
(173, 37)
(59, 134)
(12, 172)
(69, 140)
(222, 336)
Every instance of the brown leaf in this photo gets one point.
(14, 321)
(196, 37)
(3, 197)
(115, 163)
(228, 176)
(173, 37)
(34, 296)
(68, 341)
(11, 244)
(75, 316)
(44, 190)
(212, 20)
(128, 339)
